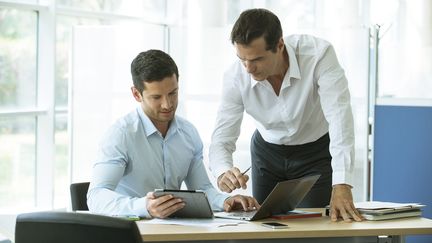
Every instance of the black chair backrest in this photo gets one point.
(70, 227)
(78, 193)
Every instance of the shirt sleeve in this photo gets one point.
(227, 129)
(197, 177)
(335, 102)
(107, 173)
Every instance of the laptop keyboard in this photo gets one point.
(242, 213)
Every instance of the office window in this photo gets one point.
(17, 161)
(61, 161)
(64, 27)
(24, 112)
(18, 37)
(405, 49)
(18, 30)
(149, 8)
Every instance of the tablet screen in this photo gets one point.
(197, 204)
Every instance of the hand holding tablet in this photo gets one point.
(196, 203)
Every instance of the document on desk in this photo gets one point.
(377, 207)
(211, 223)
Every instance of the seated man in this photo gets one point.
(153, 148)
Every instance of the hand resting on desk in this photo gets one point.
(342, 205)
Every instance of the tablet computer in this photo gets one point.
(197, 204)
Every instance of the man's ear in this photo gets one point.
(281, 44)
(136, 94)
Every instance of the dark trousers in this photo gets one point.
(272, 163)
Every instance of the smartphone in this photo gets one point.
(274, 225)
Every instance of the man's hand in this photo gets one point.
(341, 204)
(232, 179)
(241, 202)
(164, 206)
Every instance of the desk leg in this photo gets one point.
(398, 239)
(391, 239)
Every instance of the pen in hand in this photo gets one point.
(244, 172)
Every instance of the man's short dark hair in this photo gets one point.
(152, 65)
(253, 24)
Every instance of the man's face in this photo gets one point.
(258, 61)
(159, 100)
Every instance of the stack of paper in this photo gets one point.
(376, 210)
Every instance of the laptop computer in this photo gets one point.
(284, 197)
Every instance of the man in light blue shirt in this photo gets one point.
(153, 148)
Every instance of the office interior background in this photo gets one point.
(64, 76)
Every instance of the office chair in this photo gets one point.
(71, 227)
(78, 193)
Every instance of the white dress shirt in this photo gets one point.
(134, 159)
(314, 99)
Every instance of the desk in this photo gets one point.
(300, 230)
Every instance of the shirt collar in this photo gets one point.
(148, 125)
(150, 128)
(292, 72)
(253, 81)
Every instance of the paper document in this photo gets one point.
(412, 213)
(377, 207)
(212, 223)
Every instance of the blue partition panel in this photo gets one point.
(402, 170)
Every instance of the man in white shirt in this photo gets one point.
(298, 95)
(152, 148)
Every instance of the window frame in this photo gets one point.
(43, 112)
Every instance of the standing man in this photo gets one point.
(153, 148)
(298, 95)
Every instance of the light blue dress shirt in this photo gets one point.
(134, 159)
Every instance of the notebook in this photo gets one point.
(396, 215)
(378, 207)
(284, 197)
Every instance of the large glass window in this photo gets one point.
(405, 48)
(17, 161)
(18, 35)
(61, 161)
(152, 9)
(18, 81)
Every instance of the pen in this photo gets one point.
(244, 172)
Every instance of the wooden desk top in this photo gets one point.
(298, 228)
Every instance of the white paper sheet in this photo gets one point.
(378, 205)
(215, 222)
